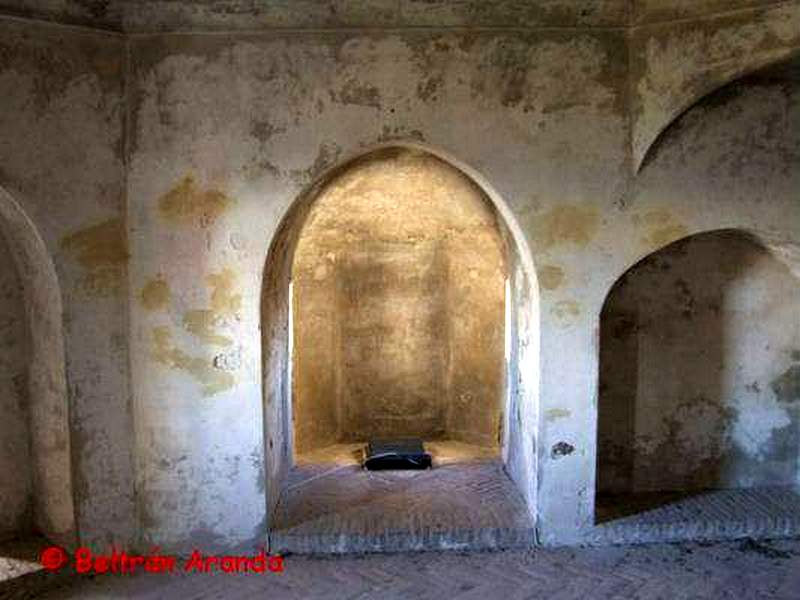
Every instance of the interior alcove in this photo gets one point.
(398, 309)
(398, 302)
(699, 368)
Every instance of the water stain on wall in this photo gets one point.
(188, 203)
(212, 379)
(787, 387)
(566, 311)
(155, 295)
(551, 276)
(568, 224)
(202, 323)
(223, 300)
(225, 304)
(661, 228)
(554, 414)
(102, 251)
(357, 93)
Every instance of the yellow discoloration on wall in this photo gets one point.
(155, 295)
(201, 323)
(187, 203)
(554, 414)
(661, 236)
(654, 218)
(551, 276)
(223, 300)
(661, 228)
(568, 224)
(566, 310)
(213, 380)
(100, 245)
(224, 304)
(102, 250)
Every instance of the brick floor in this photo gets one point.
(738, 570)
(344, 508)
(714, 514)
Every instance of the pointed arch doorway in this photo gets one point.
(403, 277)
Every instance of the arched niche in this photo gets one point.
(520, 379)
(44, 413)
(699, 373)
(717, 90)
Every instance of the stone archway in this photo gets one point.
(511, 428)
(698, 405)
(49, 466)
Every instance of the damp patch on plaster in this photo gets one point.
(566, 311)
(660, 228)
(567, 224)
(212, 379)
(188, 203)
(102, 251)
(225, 305)
(551, 276)
(698, 429)
(553, 414)
(354, 92)
(202, 324)
(755, 424)
(155, 294)
(786, 387)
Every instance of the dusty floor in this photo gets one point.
(741, 570)
(466, 500)
(712, 514)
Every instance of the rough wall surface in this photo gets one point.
(399, 298)
(238, 126)
(731, 162)
(672, 64)
(699, 348)
(101, 14)
(227, 130)
(61, 159)
(16, 510)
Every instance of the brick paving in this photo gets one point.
(738, 570)
(707, 515)
(348, 509)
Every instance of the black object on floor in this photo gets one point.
(396, 454)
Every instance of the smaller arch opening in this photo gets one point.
(699, 395)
